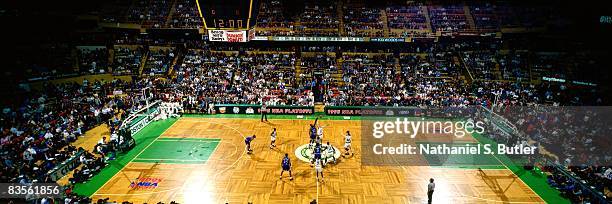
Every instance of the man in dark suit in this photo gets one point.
(430, 189)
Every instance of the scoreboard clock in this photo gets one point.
(228, 14)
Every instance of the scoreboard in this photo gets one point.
(228, 14)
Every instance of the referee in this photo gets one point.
(264, 112)
(430, 190)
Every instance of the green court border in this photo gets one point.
(152, 131)
(536, 179)
(143, 138)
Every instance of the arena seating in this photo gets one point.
(359, 21)
(127, 60)
(317, 62)
(482, 65)
(429, 78)
(485, 17)
(427, 55)
(322, 18)
(514, 65)
(319, 15)
(93, 59)
(448, 18)
(266, 76)
(271, 15)
(406, 21)
(159, 60)
(156, 14)
(185, 15)
(367, 79)
(136, 12)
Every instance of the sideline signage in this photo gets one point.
(256, 109)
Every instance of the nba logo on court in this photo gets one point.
(145, 183)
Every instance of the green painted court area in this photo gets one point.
(179, 150)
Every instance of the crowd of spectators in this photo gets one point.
(575, 136)
(271, 15)
(149, 13)
(359, 21)
(159, 61)
(514, 65)
(207, 77)
(91, 165)
(317, 62)
(448, 18)
(156, 14)
(127, 60)
(185, 15)
(36, 134)
(319, 15)
(406, 17)
(93, 60)
(321, 18)
(368, 79)
(136, 12)
(482, 64)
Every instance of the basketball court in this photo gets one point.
(202, 159)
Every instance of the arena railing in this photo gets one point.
(510, 128)
(135, 122)
(500, 121)
(596, 196)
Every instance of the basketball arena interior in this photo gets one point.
(305, 101)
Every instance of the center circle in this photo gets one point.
(307, 154)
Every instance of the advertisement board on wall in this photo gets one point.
(256, 109)
(227, 36)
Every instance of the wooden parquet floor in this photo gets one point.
(232, 176)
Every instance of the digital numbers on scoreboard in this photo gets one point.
(228, 14)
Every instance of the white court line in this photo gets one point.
(126, 164)
(519, 178)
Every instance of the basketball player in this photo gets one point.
(273, 138)
(313, 133)
(313, 136)
(329, 152)
(247, 141)
(319, 169)
(317, 153)
(347, 143)
(286, 165)
(319, 135)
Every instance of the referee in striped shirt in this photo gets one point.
(264, 112)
